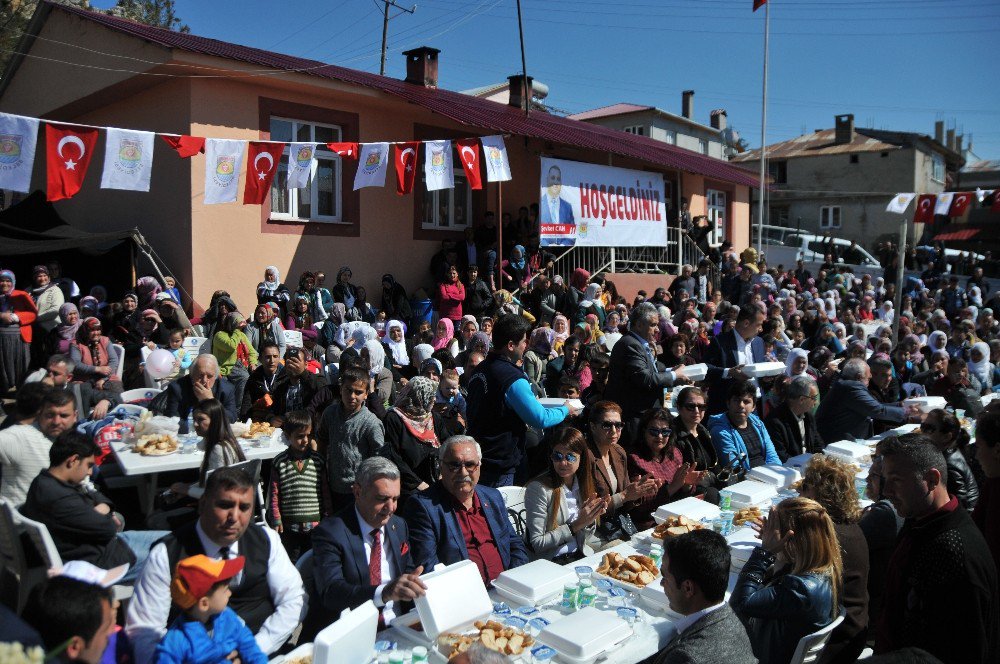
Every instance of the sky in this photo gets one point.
(895, 64)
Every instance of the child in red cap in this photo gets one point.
(207, 631)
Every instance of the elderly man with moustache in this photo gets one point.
(202, 382)
(458, 519)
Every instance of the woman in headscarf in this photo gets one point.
(149, 333)
(467, 328)
(17, 314)
(936, 340)
(124, 320)
(236, 355)
(537, 357)
(365, 309)
(146, 288)
(413, 434)
(95, 357)
(272, 290)
(980, 366)
(345, 293)
(797, 364)
(374, 356)
(172, 314)
(570, 363)
(480, 343)
(48, 298)
(515, 272)
(310, 291)
(612, 333)
(100, 293)
(265, 326)
(300, 317)
(885, 312)
(398, 350)
(220, 306)
(444, 336)
(62, 336)
(825, 337)
(591, 304)
(395, 304)
(578, 281)
(561, 331)
(504, 303)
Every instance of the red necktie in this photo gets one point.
(375, 568)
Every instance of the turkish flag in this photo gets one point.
(757, 4)
(262, 164)
(468, 154)
(68, 151)
(960, 204)
(186, 146)
(345, 150)
(404, 155)
(924, 214)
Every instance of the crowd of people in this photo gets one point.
(403, 415)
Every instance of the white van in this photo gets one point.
(785, 246)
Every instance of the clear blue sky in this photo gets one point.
(894, 64)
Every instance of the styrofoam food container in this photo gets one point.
(305, 650)
(696, 372)
(535, 582)
(455, 598)
(582, 637)
(749, 493)
(849, 451)
(553, 402)
(653, 597)
(798, 461)
(926, 404)
(764, 369)
(779, 476)
(692, 508)
(350, 639)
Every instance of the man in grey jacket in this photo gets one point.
(695, 576)
(848, 408)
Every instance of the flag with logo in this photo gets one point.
(438, 170)
(301, 157)
(495, 156)
(757, 4)
(223, 158)
(943, 203)
(128, 159)
(404, 155)
(960, 204)
(924, 214)
(67, 152)
(18, 137)
(186, 146)
(899, 203)
(468, 154)
(345, 150)
(373, 158)
(262, 163)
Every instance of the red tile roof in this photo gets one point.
(464, 109)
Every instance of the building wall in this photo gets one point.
(657, 127)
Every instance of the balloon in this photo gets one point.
(160, 363)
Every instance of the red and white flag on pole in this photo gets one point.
(757, 4)
(186, 146)
(960, 204)
(345, 150)
(68, 152)
(404, 155)
(468, 154)
(924, 214)
(262, 164)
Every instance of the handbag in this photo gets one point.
(618, 526)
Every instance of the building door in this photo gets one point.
(716, 207)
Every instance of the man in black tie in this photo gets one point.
(363, 552)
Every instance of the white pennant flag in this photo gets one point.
(301, 157)
(899, 203)
(438, 171)
(18, 136)
(373, 159)
(943, 203)
(495, 156)
(128, 159)
(223, 160)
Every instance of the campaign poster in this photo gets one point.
(588, 205)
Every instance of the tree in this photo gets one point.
(159, 13)
(14, 18)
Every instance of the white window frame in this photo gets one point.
(829, 217)
(671, 137)
(937, 168)
(716, 209)
(703, 145)
(321, 153)
(435, 199)
(638, 130)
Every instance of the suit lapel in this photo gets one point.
(357, 544)
(393, 536)
(495, 528)
(451, 523)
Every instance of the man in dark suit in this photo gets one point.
(695, 575)
(847, 410)
(456, 519)
(635, 381)
(556, 210)
(363, 552)
(729, 352)
(202, 382)
(792, 425)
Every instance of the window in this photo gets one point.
(703, 146)
(716, 208)
(638, 130)
(829, 216)
(448, 209)
(778, 170)
(321, 199)
(937, 168)
(671, 137)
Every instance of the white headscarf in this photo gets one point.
(421, 352)
(397, 348)
(983, 368)
(937, 334)
(793, 355)
(376, 357)
(885, 312)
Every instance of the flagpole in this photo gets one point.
(763, 133)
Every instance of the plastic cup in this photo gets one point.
(419, 655)
(725, 499)
(588, 596)
(569, 597)
(583, 571)
(628, 614)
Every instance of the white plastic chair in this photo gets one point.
(513, 498)
(293, 338)
(811, 645)
(140, 393)
(193, 344)
(120, 351)
(12, 559)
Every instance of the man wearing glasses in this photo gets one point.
(457, 519)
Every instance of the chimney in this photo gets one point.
(422, 66)
(718, 117)
(844, 133)
(950, 138)
(939, 131)
(687, 104)
(516, 85)
(958, 143)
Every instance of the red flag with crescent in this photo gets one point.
(757, 4)
(404, 155)
(468, 154)
(186, 146)
(345, 150)
(924, 214)
(262, 164)
(960, 204)
(68, 151)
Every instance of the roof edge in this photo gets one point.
(35, 24)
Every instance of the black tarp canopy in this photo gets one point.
(33, 227)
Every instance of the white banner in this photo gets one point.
(300, 160)
(128, 159)
(438, 170)
(899, 203)
(495, 158)
(943, 203)
(373, 159)
(223, 163)
(600, 206)
(18, 137)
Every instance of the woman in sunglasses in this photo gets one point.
(561, 504)
(947, 434)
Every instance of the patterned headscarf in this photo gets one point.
(414, 404)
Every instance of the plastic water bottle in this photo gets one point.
(189, 423)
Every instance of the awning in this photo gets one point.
(966, 234)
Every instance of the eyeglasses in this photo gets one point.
(455, 466)
(811, 397)
(569, 456)
(655, 432)
(695, 406)
(608, 426)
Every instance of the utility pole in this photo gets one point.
(385, 27)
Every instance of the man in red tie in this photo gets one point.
(363, 553)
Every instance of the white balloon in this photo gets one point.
(160, 363)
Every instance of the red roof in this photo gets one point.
(461, 108)
(955, 236)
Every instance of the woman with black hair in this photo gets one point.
(944, 429)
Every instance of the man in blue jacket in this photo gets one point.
(741, 440)
(456, 519)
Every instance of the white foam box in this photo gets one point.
(851, 452)
(750, 492)
(350, 639)
(582, 637)
(534, 583)
(779, 476)
(696, 372)
(455, 598)
(552, 402)
(926, 404)
(799, 461)
(764, 369)
(692, 508)
(742, 542)
(653, 597)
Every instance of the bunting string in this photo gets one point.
(952, 204)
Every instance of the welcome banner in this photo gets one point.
(600, 206)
